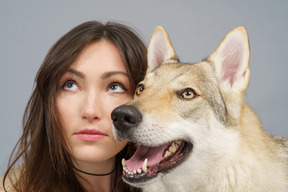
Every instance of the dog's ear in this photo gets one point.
(160, 49)
(231, 60)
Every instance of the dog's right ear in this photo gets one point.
(160, 49)
(231, 61)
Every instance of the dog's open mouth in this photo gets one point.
(147, 162)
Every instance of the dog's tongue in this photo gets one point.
(154, 155)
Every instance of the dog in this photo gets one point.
(192, 126)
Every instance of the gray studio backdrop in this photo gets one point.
(29, 28)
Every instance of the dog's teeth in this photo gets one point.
(144, 166)
(123, 162)
(126, 170)
(173, 148)
(139, 171)
(167, 154)
(176, 145)
(133, 172)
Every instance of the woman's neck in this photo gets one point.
(102, 182)
(92, 184)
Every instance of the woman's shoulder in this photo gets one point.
(10, 179)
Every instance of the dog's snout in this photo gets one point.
(125, 117)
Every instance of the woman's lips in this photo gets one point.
(90, 135)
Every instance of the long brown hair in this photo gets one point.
(47, 164)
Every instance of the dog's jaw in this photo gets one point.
(159, 152)
(148, 162)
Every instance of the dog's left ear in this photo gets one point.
(231, 61)
(160, 49)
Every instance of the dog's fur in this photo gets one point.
(231, 151)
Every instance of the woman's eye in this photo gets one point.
(70, 85)
(117, 87)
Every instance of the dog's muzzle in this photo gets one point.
(125, 117)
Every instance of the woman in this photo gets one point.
(67, 142)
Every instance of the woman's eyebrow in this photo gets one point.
(105, 75)
(111, 73)
(77, 73)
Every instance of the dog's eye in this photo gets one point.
(139, 89)
(187, 94)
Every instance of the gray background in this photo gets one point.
(29, 28)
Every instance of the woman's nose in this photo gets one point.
(91, 107)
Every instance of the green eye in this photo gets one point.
(187, 94)
(139, 89)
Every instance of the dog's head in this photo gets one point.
(179, 108)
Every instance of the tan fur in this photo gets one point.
(231, 150)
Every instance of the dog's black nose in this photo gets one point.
(125, 117)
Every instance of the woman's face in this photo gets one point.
(94, 85)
